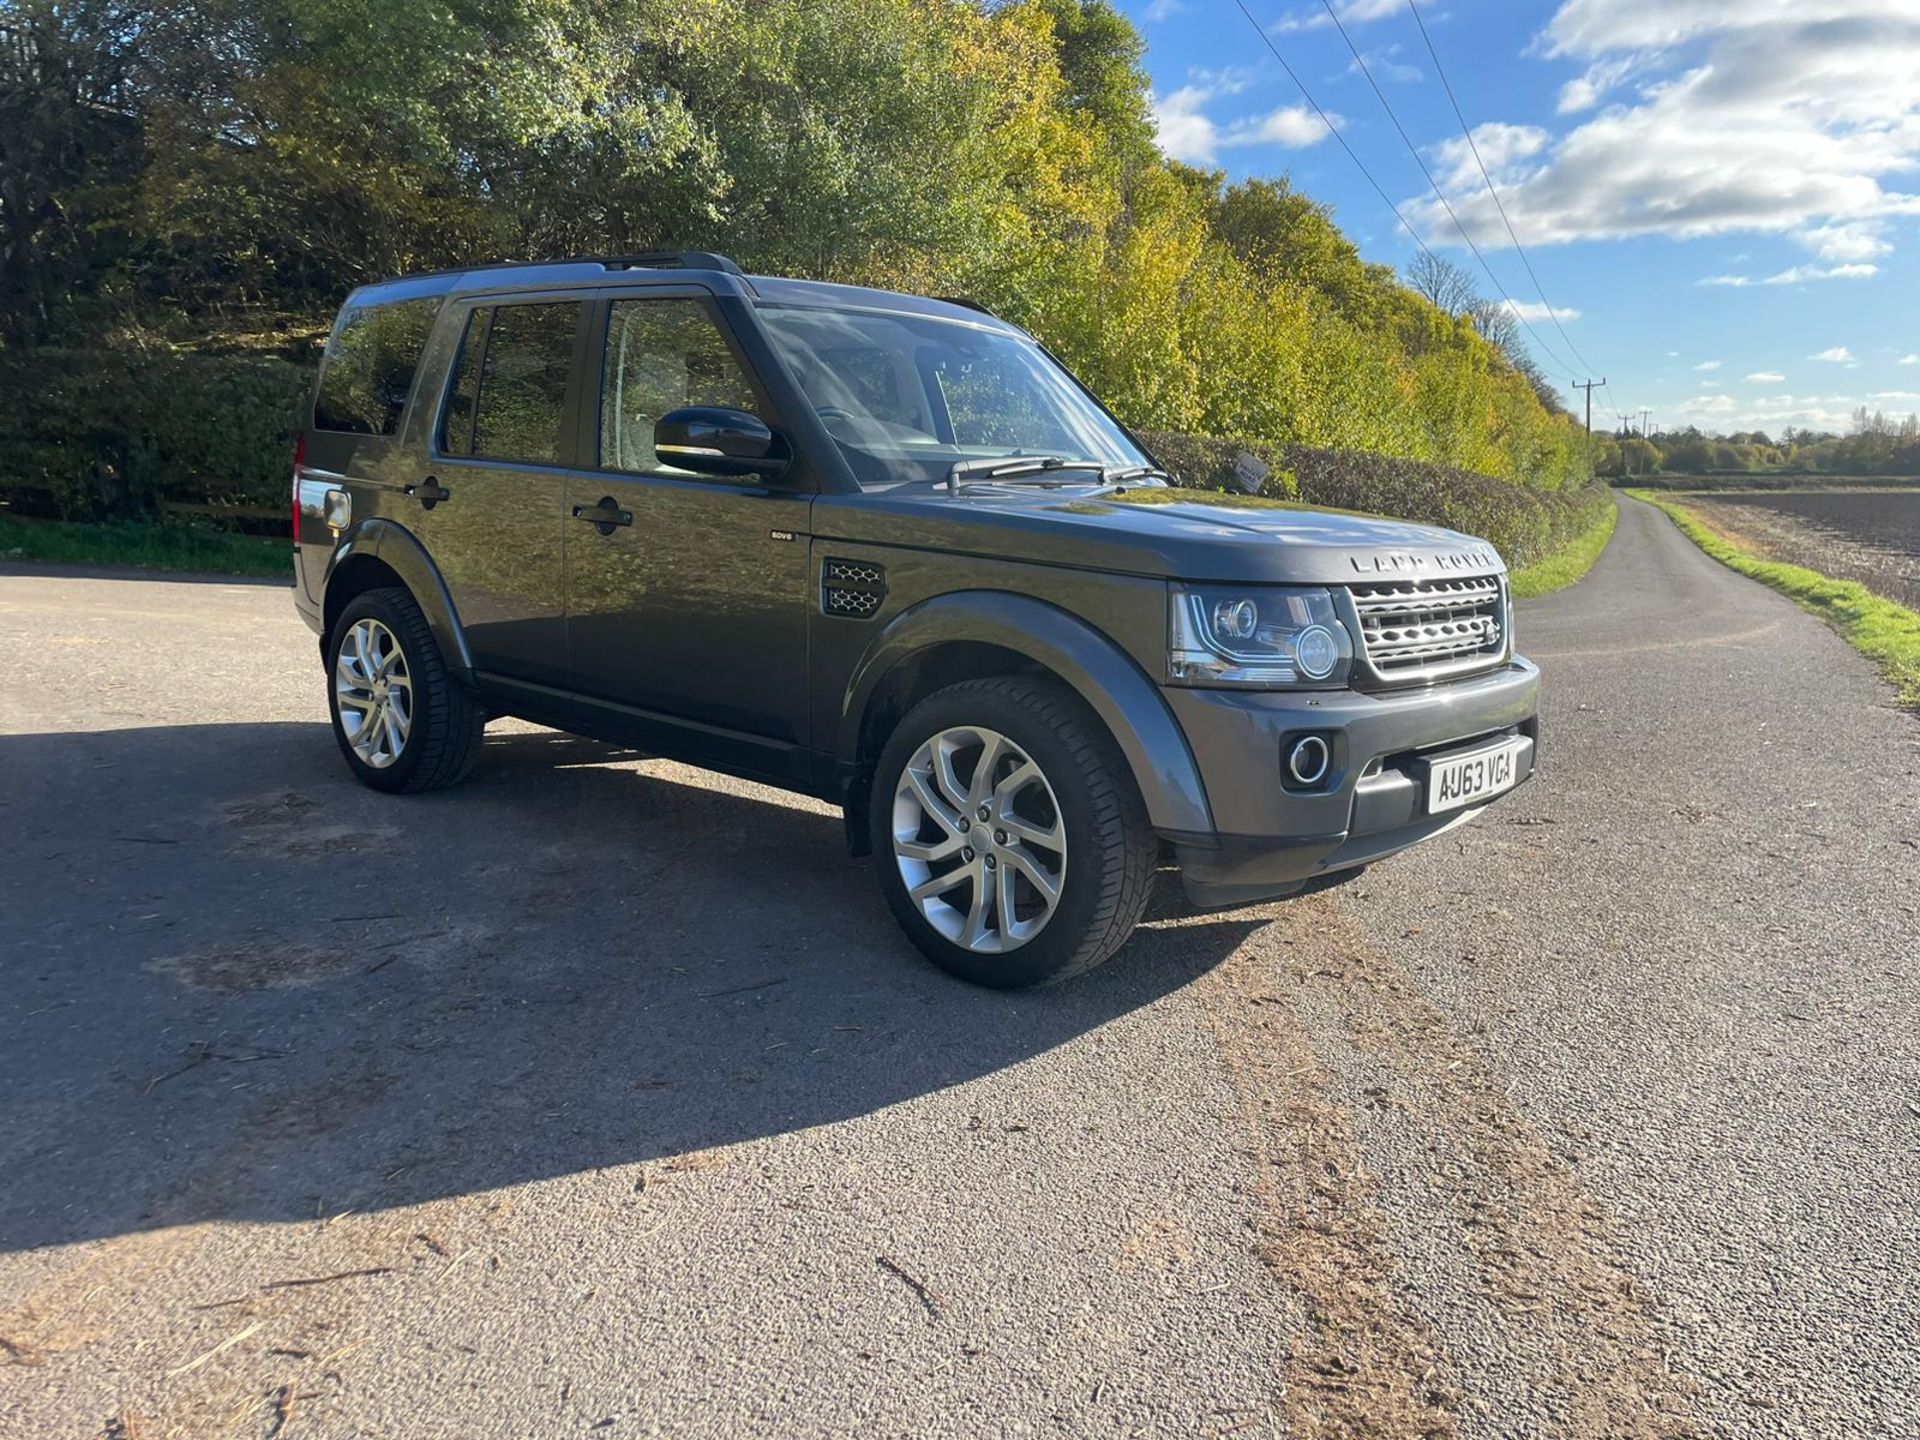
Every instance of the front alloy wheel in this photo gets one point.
(374, 692)
(979, 840)
(1011, 843)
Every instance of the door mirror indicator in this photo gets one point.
(712, 440)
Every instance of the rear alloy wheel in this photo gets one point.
(402, 721)
(373, 692)
(1010, 841)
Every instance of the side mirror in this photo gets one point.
(711, 440)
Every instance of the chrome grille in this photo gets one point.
(1419, 629)
(852, 589)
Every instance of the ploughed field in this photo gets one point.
(1872, 536)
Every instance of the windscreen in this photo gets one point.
(906, 396)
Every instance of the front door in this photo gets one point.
(491, 499)
(686, 594)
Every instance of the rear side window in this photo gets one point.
(368, 368)
(510, 384)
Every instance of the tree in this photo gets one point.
(1100, 57)
(69, 146)
(1494, 322)
(1442, 284)
(1282, 235)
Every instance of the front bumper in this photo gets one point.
(1269, 840)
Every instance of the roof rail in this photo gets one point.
(670, 260)
(650, 260)
(964, 304)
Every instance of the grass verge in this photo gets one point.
(1568, 563)
(1886, 633)
(144, 547)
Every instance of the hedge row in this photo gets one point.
(104, 434)
(1524, 524)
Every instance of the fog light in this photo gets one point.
(1307, 761)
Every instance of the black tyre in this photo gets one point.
(403, 723)
(1010, 839)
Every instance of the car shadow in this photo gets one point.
(237, 984)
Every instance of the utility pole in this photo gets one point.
(1646, 419)
(1588, 386)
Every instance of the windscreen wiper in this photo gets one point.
(1014, 467)
(1135, 472)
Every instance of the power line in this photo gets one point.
(1333, 130)
(1465, 130)
(1445, 204)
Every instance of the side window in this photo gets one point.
(510, 383)
(661, 355)
(368, 367)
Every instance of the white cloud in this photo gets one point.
(1532, 310)
(1502, 147)
(1765, 377)
(1594, 27)
(1908, 360)
(1294, 126)
(1159, 10)
(1385, 65)
(1847, 243)
(1591, 88)
(1797, 275)
(1187, 133)
(1708, 365)
(1904, 397)
(1771, 413)
(1351, 12)
(1227, 80)
(1834, 354)
(1789, 117)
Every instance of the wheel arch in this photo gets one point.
(378, 553)
(969, 635)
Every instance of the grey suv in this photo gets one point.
(886, 551)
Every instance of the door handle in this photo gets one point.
(429, 492)
(605, 516)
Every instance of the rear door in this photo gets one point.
(489, 502)
(352, 438)
(691, 612)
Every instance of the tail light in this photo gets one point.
(299, 462)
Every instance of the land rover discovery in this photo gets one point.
(886, 551)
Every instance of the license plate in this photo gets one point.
(1469, 779)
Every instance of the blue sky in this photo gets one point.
(1721, 196)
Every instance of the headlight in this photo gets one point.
(1255, 635)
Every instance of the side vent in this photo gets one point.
(852, 589)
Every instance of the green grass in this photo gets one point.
(1568, 563)
(1886, 633)
(144, 547)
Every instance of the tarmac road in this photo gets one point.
(601, 1096)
